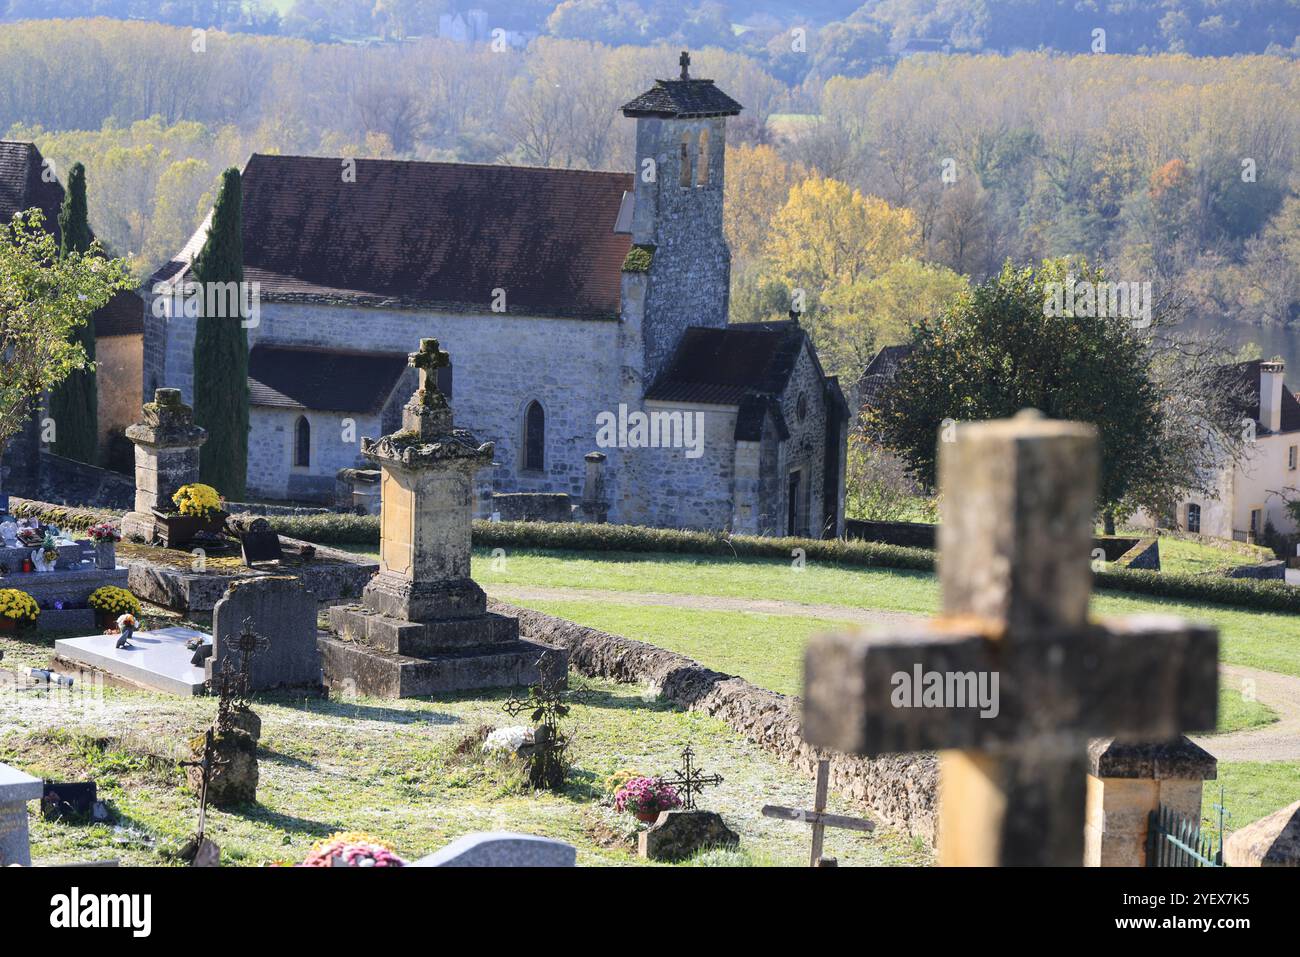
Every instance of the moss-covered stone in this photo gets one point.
(639, 258)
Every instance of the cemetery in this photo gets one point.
(259, 699)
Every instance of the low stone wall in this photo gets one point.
(1264, 571)
(1142, 553)
(909, 534)
(533, 506)
(901, 790)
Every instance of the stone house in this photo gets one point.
(1252, 494)
(564, 297)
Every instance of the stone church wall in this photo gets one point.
(500, 363)
(806, 447)
(670, 489)
(271, 471)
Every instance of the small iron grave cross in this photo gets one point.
(818, 817)
(205, 853)
(248, 644)
(546, 703)
(224, 683)
(685, 61)
(429, 360)
(690, 780)
(1013, 677)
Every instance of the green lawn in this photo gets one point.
(1251, 790)
(1184, 556)
(1257, 639)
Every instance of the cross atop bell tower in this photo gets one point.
(685, 61)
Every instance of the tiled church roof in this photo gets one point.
(323, 379)
(682, 98)
(22, 187)
(747, 365)
(431, 234)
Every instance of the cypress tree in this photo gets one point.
(74, 403)
(221, 347)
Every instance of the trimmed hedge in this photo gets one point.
(1247, 593)
(363, 530)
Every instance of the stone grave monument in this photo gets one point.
(166, 457)
(422, 626)
(502, 849)
(1019, 499)
(16, 789)
(283, 611)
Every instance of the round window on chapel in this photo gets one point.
(801, 407)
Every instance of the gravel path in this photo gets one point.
(1279, 741)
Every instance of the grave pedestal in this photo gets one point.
(16, 789)
(166, 457)
(422, 626)
(1126, 782)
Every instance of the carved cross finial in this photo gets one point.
(685, 61)
(429, 359)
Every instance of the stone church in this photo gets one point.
(565, 298)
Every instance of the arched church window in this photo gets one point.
(702, 163)
(686, 157)
(302, 442)
(534, 437)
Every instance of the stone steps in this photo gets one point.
(357, 668)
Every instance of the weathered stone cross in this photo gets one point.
(818, 817)
(1019, 498)
(429, 359)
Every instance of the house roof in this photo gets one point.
(122, 315)
(430, 234)
(22, 185)
(1241, 379)
(879, 373)
(323, 379)
(682, 98)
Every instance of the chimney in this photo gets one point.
(1270, 394)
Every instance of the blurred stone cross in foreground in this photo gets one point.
(1019, 499)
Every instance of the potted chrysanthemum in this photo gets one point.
(352, 849)
(18, 610)
(646, 798)
(110, 602)
(199, 508)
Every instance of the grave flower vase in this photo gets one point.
(8, 626)
(106, 555)
(648, 817)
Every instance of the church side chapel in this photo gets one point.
(564, 297)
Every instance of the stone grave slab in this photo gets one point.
(502, 849)
(281, 610)
(158, 661)
(16, 789)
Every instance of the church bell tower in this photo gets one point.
(678, 244)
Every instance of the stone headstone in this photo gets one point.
(16, 789)
(676, 835)
(502, 849)
(1273, 841)
(283, 612)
